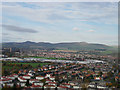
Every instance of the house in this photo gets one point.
(116, 78)
(27, 76)
(98, 86)
(31, 74)
(41, 69)
(31, 71)
(76, 87)
(66, 84)
(81, 77)
(5, 80)
(11, 77)
(50, 67)
(35, 86)
(3, 77)
(15, 75)
(62, 88)
(52, 77)
(97, 78)
(39, 77)
(45, 68)
(52, 83)
(21, 84)
(91, 86)
(10, 84)
(33, 80)
(21, 79)
(51, 87)
(48, 80)
(38, 83)
(73, 83)
(48, 75)
(101, 87)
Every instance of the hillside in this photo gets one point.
(66, 46)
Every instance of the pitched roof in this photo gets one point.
(62, 87)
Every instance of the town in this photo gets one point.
(58, 69)
(59, 75)
(59, 45)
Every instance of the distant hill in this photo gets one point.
(66, 46)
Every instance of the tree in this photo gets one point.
(100, 73)
(27, 83)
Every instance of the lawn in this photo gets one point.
(43, 57)
(34, 65)
(106, 52)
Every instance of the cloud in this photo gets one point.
(56, 19)
(91, 30)
(18, 29)
(75, 29)
(49, 13)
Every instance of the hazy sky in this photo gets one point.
(60, 22)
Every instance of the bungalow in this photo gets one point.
(51, 87)
(62, 88)
(101, 87)
(39, 70)
(31, 74)
(52, 77)
(91, 86)
(97, 78)
(76, 87)
(66, 84)
(52, 83)
(36, 86)
(38, 83)
(31, 71)
(11, 77)
(8, 84)
(3, 77)
(39, 77)
(88, 75)
(21, 79)
(21, 72)
(116, 78)
(81, 77)
(50, 67)
(48, 80)
(45, 68)
(5, 80)
(73, 83)
(27, 76)
(56, 67)
(48, 75)
(22, 84)
(15, 75)
(33, 80)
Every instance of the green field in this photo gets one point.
(106, 52)
(43, 57)
(34, 65)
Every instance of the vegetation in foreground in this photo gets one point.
(14, 67)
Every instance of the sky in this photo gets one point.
(92, 22)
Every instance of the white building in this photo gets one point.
(39, 77)
(21, 79)
(27, 76)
